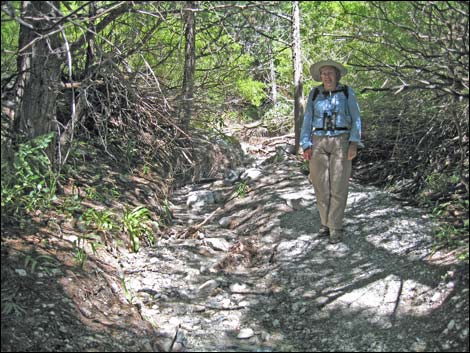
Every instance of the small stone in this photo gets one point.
(419, 346)
(245, 333)
(207, 287)
(224, 222)
(177, 347)
(451, 325)
(218, 243)
(20, 272)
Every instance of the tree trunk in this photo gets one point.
(189, 64)
(272, 69)
(298, 85)
(39, 70)
(90, 37)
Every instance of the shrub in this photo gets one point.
(28, 182)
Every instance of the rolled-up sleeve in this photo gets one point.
(354, 112)
(306, 131)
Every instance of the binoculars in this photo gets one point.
(329, 121)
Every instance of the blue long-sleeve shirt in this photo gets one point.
(347, 115)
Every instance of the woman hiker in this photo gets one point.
(331, 133)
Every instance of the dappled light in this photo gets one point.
(158, 161)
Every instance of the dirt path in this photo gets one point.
(241, 269)
(256, 276)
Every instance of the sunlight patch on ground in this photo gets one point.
(390, 298)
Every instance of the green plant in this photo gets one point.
(101, 220)
(252, 91)
(242, 189)
(166, 212)
(94, 240)
(8, 302)
(102, 224)
(81, 256)
(305, 168)
(439, 182)
(91, 193)
(278, 118)
(71, 204)
(127, 292)
(28, 183)
(451, 232)
(114, 192)
(135, 224)
(447, 234)
(146, 169)
(464, 256)
(45, 262)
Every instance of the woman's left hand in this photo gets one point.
(352, 151)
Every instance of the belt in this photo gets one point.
(337, 129)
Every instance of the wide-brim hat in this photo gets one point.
(315, 68)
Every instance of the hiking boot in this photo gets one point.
(335, 236)
(324, 231)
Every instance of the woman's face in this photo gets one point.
(329, 77)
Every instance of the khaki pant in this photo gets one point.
(330, 170)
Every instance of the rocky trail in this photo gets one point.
(241, 268)
(251, 273)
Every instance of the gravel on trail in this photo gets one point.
(252, 273)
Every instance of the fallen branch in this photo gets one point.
(194, 229)
(271, 140)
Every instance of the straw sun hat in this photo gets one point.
(315, 68)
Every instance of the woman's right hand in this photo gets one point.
(308, 154)
(352, 151)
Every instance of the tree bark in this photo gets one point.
(189, 65)
(39, 70)
(272, 69)
(298, 85)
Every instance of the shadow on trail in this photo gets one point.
(372, 292)
(272, 278)
(59, 306)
